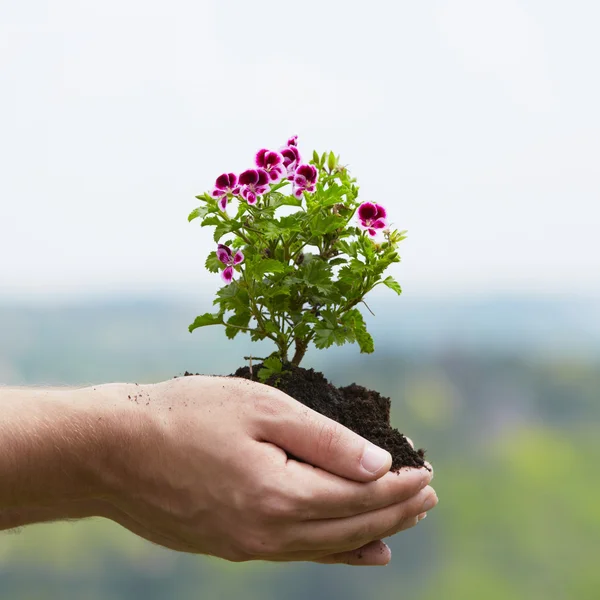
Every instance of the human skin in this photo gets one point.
(201, 465)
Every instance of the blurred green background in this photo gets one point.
(503, 392)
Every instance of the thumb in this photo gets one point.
(322, 442)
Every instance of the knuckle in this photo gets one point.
(360, 534)
(329, 437)
(273, 506)
(268, 406)
(366, 501)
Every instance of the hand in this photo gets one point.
(205, 470)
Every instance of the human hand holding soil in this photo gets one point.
(200, 464)
(211, 475)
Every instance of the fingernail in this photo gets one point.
(422, 516)
(375, 458)
(428, 465)
(431, 501)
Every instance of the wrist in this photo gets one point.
(115, 420)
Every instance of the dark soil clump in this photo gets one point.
(363, 411)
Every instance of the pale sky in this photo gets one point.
(476, 123)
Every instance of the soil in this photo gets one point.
(364, 411)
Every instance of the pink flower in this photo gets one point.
(291, 160)
(272, 163)
(372, 217)
(254, 182)
(293, 141)
(305, 180)
(226, 256)
(226, 186)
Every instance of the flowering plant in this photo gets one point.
(298, 253)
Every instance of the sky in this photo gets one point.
(475, 123)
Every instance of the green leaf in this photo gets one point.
(271, 366)
(211, 221)
(326, 337)
(277, 200)
(392, 284)
(324, 224)
(315, 158)
(205, 320)
(267, 265)
(213, 264)
(239, 319)
(201, 211)
(224, 228)
(337, 261)
(354, 319)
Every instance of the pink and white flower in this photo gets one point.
(271, 162)
(291, 160)
(255, 183)
(305, 180)
(225, 186)
(372, 217)
(226, 256)
(293, 141)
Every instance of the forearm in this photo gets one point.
(55, 450)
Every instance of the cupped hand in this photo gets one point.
(204, 468)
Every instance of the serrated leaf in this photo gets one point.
(267, 265)
(213, 264)
(211, 221)
(239, 319)
(271, 366)
(277, 199)
(325, 337)
(224, 228)
(201, 211)
(393, 285)
(354, 319)
(337, 261)
(322, 225)
(205, 320)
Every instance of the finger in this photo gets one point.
(317, 494)
(353, 532)
(373, 554)
(318, 440)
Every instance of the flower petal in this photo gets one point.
(222, 182)
(381, 212)
(379, 224)
(262, 177)
(372, 232)
(293, 141)
(249, 195)
(367, 211)
(309, 172)
(224, 254)
(249, 177)
(223, 203)
(260, 158)
(227, 275)
(238, 258)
